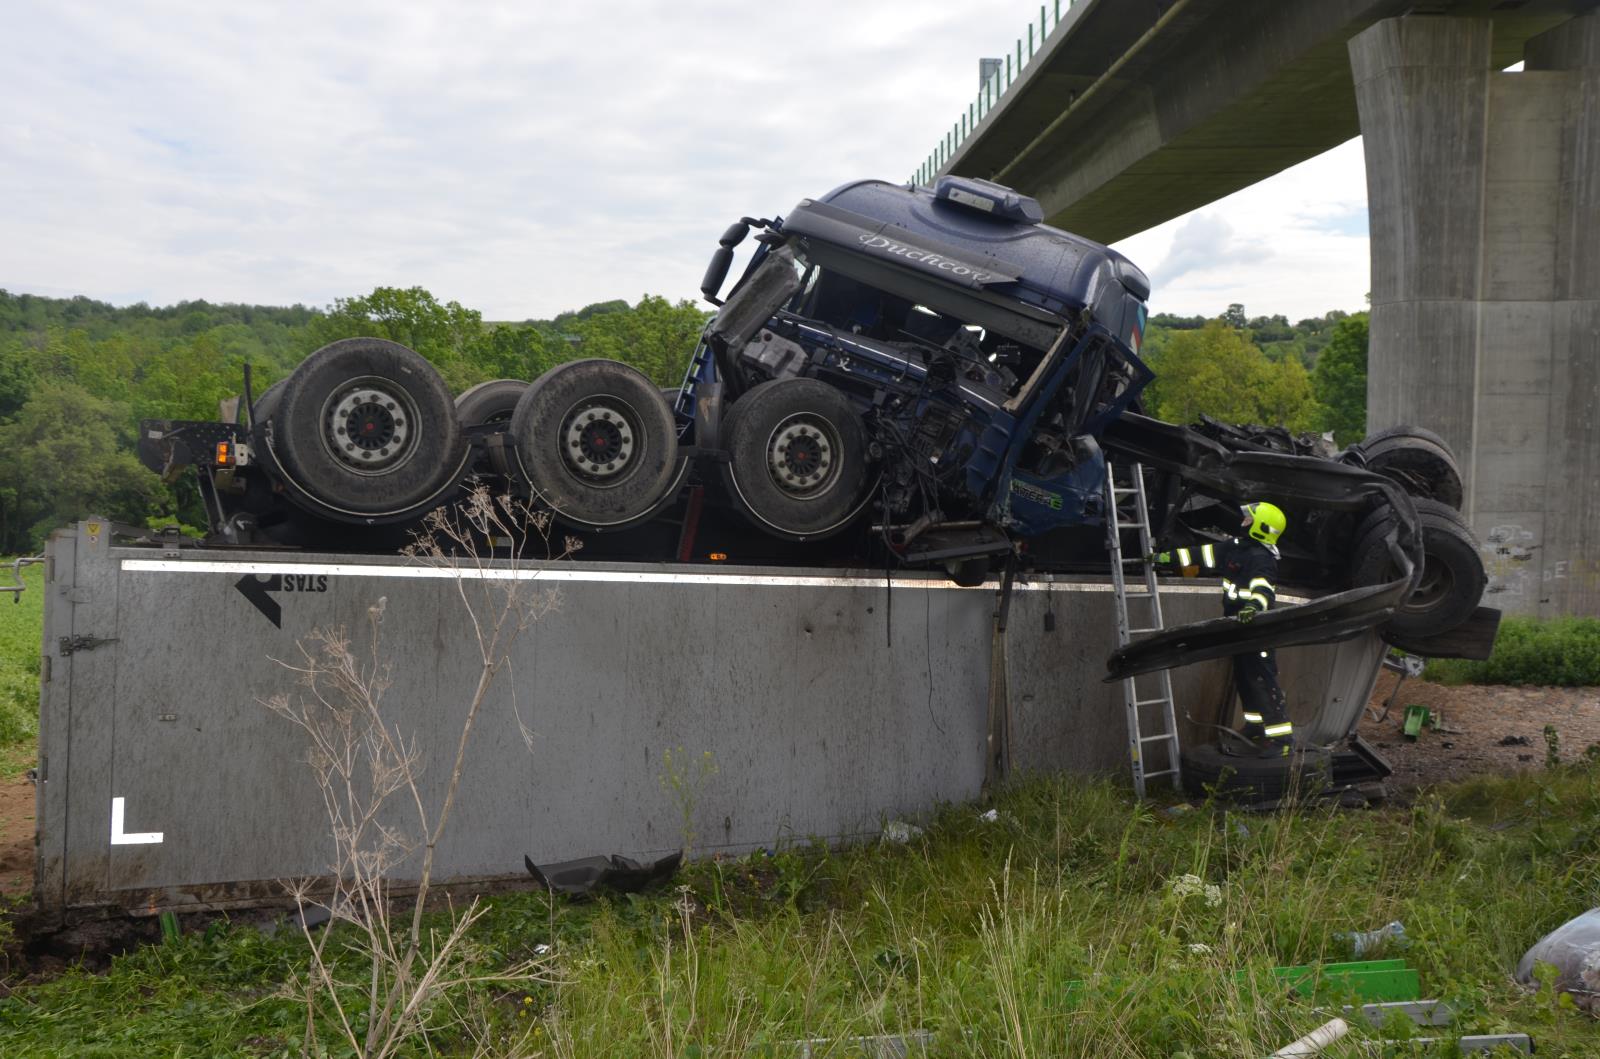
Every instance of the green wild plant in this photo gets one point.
(683, 777)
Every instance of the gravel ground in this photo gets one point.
(1481, 727)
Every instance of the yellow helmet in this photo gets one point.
(1265, 520)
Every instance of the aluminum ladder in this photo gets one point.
(1147, 707)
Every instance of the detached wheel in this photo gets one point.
(1206, 770)
(1419, 460)
(799, 457)
(1452, 579)
(596, 442)
(366, 427)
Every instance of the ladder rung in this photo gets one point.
(1163, 772)
(1153, 628)
(1157, 738)
(1149, 702)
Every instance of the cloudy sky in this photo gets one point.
(526, 158)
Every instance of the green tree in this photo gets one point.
(656, 336)
(1234, 317)
(445, 333)
(1340, 380)
(1217, 371)
(68, 455)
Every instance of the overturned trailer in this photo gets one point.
(829, 701)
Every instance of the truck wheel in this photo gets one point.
(266, 402)
(1452, 579)
(798, 457)
(596, 442)
(1419, 460)
(490, 404)
(366, 427)
(1206, 769)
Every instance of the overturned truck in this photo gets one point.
(902, 376)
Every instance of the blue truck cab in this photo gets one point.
(983, 349)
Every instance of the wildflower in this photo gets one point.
(1185, 886)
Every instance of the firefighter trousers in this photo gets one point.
(1266, 713)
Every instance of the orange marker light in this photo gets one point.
(224, 454)
(718, 557)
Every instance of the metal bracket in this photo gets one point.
(67, 645)
(17, 589)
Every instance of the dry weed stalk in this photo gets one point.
(368, 772)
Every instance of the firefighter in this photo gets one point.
(1249, 569)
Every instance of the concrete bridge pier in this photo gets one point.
(1484, 192)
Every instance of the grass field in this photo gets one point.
(971, 932)
(20, 627)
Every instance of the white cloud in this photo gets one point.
(1294, 244)
(522, 159)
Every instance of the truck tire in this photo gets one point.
(1451, 582)
(597, 443)
(1419, 460)
(490, 404)
(798, 457)
(366, 427)
(266, 402)
(1207, 770)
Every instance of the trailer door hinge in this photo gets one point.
(67, 645)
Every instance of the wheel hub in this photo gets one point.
(1436, 583)
(600, 439)
(368, 426)
(801, 456)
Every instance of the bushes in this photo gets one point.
(1562, 652)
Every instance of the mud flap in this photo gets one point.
(1473, 638)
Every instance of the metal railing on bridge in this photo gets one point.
(993, 88)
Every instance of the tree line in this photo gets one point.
(1310, 376)
(76, 376)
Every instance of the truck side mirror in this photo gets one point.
(716, 272)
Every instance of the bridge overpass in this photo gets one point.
(1483, 191)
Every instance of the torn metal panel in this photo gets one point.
(1326, 620)
(616, 872)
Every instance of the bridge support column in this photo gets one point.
(1484, 196)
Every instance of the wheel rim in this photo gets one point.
(803, 456)
(601, 440)
(370, 426)
(1436, 584)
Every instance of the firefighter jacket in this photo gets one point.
(1249, 571)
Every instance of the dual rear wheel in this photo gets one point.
(365, 429)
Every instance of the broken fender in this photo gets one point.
(1326, 620)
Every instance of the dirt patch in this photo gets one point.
(1486, 729)
(16, 835)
